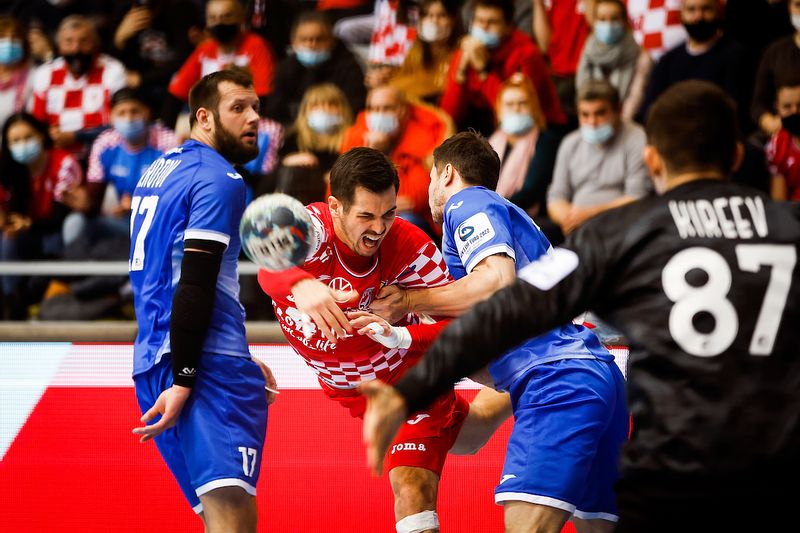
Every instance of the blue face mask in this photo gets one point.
(383, 122)
(609, 33)
(324, 122)
(598, 135)
(131, 130)
(516, 123)
(311, 58)
(25, 152)
(489, 39)
(11, 51)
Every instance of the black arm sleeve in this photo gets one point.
(512, 315)
(192, 307)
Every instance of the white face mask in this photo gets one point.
(430, 32)
(796, 22)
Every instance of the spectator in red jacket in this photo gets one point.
(407, 133)
(493, 52)
(229, 45)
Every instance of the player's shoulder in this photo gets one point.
(402, 235)
(471, 201)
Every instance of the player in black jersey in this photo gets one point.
(703, 281)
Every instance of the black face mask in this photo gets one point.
(702, 30)
(224, 33)
(792, 124)
(80, 63)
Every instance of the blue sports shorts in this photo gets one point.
(220, 434)
(570, 420)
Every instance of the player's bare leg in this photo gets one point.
(229, 510)
(415, 491)
(487, 412)
(596, 525)
(524, 517)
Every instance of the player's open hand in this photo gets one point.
(269, 380)
(385, 413)
(169, 405)
(319, 302)
(391, 303)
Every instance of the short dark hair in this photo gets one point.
(693, 127)
(205, 93)
(126, 94)
(472, 156)
(317, 17)
(506, 6)
(362, 167)
(592, 90)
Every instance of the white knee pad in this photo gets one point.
(416, 523)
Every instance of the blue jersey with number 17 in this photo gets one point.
(479, 223)
(191, 192)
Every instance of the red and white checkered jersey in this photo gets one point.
(406, 257)
(657, 24)
(159, 137)
(73, 104)
(391, 41)
(61, 173)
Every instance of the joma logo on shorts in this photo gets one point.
(408, 447)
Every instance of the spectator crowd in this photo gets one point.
(92, 92)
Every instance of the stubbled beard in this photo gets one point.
(231, 147)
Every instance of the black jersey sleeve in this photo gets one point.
(548, 293)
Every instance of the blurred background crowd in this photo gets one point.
(92, 92)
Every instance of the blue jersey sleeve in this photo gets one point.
(216, 201)
(480, 229)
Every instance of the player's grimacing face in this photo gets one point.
(368, 220)
(236, 123)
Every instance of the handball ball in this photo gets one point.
(276, 232)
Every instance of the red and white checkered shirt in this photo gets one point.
(390, 41)
(73, 104)
(657, 24)
(406, 257)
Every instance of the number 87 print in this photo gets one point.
(711, 297)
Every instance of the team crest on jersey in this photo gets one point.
(340, 284)
(366, 299)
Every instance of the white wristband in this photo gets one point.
(398, 337)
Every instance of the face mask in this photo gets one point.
(791, 124)
(311, 58)
(224, 33)
(25, 152)
(324, 122)
(796, 22)
(80, 63)
(430, 32)
(10, 51)
(131, 130)
(516, 123)
(598, 135)
(702, 30)
(609, 33)
(383, 122)
(489, 39)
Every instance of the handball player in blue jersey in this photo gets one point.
(194, 376)
(566, 392)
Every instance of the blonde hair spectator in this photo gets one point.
(327, 98)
